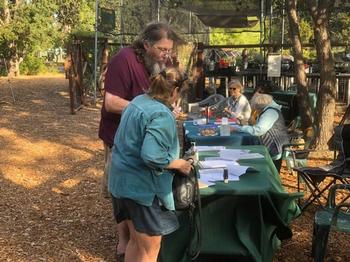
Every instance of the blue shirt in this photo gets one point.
(145, 143)
(263, 124)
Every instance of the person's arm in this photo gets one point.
(117, 82)
(114, 103)
(243, 109)
(264, 123)
(157, 144)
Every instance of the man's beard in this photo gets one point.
(152, 66)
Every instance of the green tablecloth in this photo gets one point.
(245, 219)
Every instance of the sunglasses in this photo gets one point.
(232, 88)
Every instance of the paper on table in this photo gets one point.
(210, 176)
(209, 148)
(235, 154)
(233, 167)
(217, 163)
(238, 170)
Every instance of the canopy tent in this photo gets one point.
(227, 21)
(227, 13)
(212, 13)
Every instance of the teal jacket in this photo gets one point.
(145, 143)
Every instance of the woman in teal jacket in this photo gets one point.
(145, 151)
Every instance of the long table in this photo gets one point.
(243, 220)
(192, 134)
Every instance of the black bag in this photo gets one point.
(187, 198)
(185, 189)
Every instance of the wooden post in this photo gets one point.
(103, 69)
(68, 67)
(198, 74)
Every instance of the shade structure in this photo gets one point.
(226, 13)
(227, 21)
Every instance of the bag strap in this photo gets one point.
(195, 221)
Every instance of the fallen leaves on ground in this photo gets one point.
(51, 164)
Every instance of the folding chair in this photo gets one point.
(333, 216)
(318, 180)
(296, 153)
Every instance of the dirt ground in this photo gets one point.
(50, 170)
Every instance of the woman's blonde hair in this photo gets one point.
(260, 101)
(164, 83)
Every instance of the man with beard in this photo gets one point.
(128, 76)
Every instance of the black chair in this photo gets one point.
(335, 215)
(319, 179)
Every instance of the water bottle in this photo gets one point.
(192, 153)
(225, 127)
(211, 66)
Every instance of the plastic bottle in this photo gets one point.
(225, 127)
(194, 152)
(211, 65)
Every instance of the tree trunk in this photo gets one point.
(13, 66)
(320, 11)
(6, 13)
(300, 76)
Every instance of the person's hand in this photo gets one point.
(177, 111)
(233, 129)
(181, 165)
(228, 110)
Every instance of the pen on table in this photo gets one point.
(225, 175)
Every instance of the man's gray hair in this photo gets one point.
(155, 31)
(260, 101)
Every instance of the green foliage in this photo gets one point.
(30, 28)
(306, 31)
(32, 65)
(221, 36)
(38, 25)
(340, 27)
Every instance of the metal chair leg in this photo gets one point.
(319, 242)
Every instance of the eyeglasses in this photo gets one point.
(163, 50)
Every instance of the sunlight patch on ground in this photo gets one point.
(86, 256)
(94, 171)
(39, 102)
(19, 113)
(31, 162)
(25, 177)
(69, 183)
(86, 141)
(62, 93)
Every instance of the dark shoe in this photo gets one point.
(120, 257)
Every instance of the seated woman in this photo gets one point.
(236, 105)
(146, 149)
(269, 126)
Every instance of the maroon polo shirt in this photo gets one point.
(126, 77)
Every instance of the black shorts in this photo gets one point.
(155, 220)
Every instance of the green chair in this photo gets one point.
(333, 216)
(318, 180)
(297, 151)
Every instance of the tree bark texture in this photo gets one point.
(5, 19)
(320, 11)
(303, 98)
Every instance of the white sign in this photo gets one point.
(274, 65)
